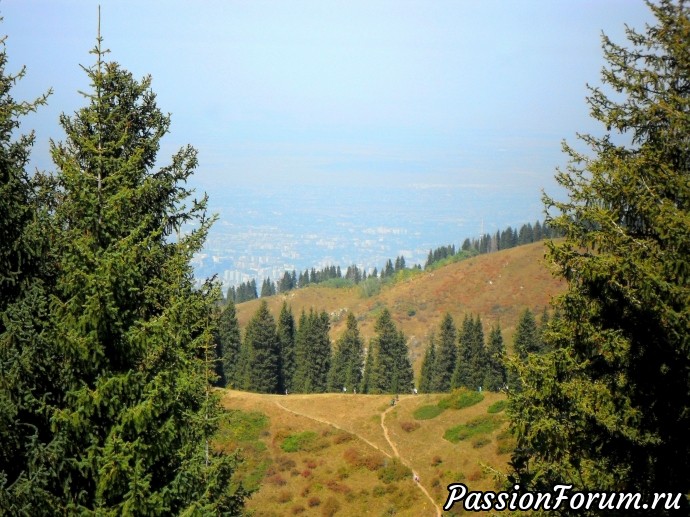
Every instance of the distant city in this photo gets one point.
(264, 231)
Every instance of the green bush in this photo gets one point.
(242, 426)
(304, 441)
(461, 398)
(394, 471)
(427, 412)
(479, 425)
(497, 407)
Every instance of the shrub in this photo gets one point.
(394, 471)
(480, 442)
(313, 502)
(408, 427)
(436, 461)
(330, 507)
(370, 461)
(479, 425)
(284, 497)
(342, 437)
(497, 407)
(276, 479)
(297, 509)
(460, 399)
(337, 487)
(304, 441)
(306, 473)
(284, 463)
(427, 412)
(242, 426)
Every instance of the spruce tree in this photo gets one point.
(262, 350)
(312, 353)
(286, 340)
(426, 373)
(229, 342)
(446, 356)
(470, 367)
(132, 410)
(348, 359)
(495, 377)
(608, 408)
(391, 371)
(27, 365)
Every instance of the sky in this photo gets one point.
(428, 93)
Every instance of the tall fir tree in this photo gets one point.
(229, 343)
(495, 378)
(262, 352)
(391, 370)
(446, 356)
(286, 340)
(470, 367)
(348, 359)
(131, 407)
(312, 353)
(28, 368)
(427, 371)
(609, 407)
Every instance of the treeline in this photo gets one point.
(487, 243)
(461, 358)
(286, 356)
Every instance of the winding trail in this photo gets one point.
(385, 434)
(397, 454)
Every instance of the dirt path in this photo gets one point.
(397, 454)
(385, 434)
(334, 425)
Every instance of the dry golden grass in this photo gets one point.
(337, 473)
(497, 286)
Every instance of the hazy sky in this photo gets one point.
(454, 93)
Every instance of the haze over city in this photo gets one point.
(339, 132)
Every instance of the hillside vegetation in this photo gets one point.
(496, 286)
(345, 454)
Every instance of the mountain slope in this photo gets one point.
(497, 286)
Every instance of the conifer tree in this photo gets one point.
(132, 412)
(27, 366)
(229, 342)
(471, 363)
(312, 353)
(263, 351)
(348, 359)
(609, 407)
(286, 339)
(391, 370)
(426, 373)
(496, 376)
(446, 356)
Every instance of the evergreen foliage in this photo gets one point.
(286, 340)
(312, 353)
(27, 365)
(262, 353)
(471, 363)
(446, 355)
(348, 359)
(268, 288)
(426, 373)
(228, 342)
(608, 408)
(126, 338)
(495, 378)
(391, 370)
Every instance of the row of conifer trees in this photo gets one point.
(285, 356)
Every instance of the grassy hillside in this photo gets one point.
(497, 286)
(345, 454)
